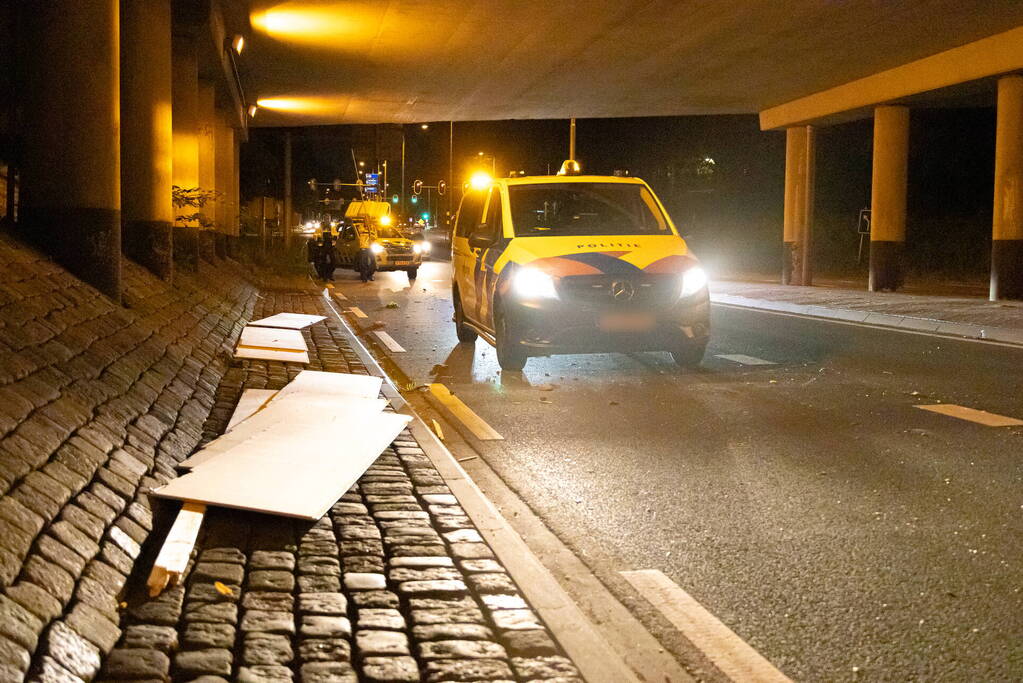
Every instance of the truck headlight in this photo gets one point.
(693, 280)
(530, 283)
(376, 248)
(417, 249)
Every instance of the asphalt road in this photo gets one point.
(843, 533)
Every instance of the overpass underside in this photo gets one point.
(129, 114)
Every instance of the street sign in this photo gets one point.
(372, 183)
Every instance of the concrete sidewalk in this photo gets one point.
(956, 316)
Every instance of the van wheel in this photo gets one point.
(412, 273)
(689, 355)
(465, 334)
(510, 353)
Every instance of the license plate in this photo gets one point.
(402, 263)
(626, 322)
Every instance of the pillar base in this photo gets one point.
(151, 245)
(792, 264)
(208, 245)
(86, 241)
(1006, 269)
(885, 266)
(220, 242)
(186, 248)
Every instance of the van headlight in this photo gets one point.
(693, 280)
(376, 248)
(530, 283)
(417, 248)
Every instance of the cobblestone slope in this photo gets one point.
(97, 403)
(392, 585)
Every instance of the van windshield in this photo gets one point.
(563, 209)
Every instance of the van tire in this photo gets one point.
(465, 334)
(689, 355)
(511, 355)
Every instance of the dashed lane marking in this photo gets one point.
(339, 295)
(358, 312)
(979, 416)
(388, 340)
(476, 424)
(728, 652)
(742, 359)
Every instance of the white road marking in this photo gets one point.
(358, 312)
(744, 360)
(979, 416)
(388, 340)
(729, 653)
(341, 296)
(476, 424)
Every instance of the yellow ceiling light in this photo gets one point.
(238, 43)
(305, 22)
(304, 105)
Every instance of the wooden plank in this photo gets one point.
(176, 550)
(293, 477)
(292, 321)
(250, 402)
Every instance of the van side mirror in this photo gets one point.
(480, 240)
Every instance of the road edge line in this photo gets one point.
(578, 636)
(732, 655)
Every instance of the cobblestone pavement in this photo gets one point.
(393, 584)
(97, 403)
(973, 311)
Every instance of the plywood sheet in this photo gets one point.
(332, 383)
(293, 321)
(297, 479)
(272, 338)
(291, 417)
(251, 400)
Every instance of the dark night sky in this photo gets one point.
(732, 215)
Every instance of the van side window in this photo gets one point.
(469, 214)
(495, 215)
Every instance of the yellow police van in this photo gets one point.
(574, 264)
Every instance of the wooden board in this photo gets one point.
(293, 417)
(251, 401)
(267, 343)
(176, 550)
(296, 478)
(293, 321)
(333, 383)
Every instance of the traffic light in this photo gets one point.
(415, 199)
(426, 215)
(394, 199)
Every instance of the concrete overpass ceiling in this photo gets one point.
(352, 61)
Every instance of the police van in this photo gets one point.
(573, 264)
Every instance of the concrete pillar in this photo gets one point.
(185, 97)
(888, 197)
(71, 175)
(800, 178)
(1007, 216)
(207, 173)
(225, 209)
(286, 221)
(147, 156)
